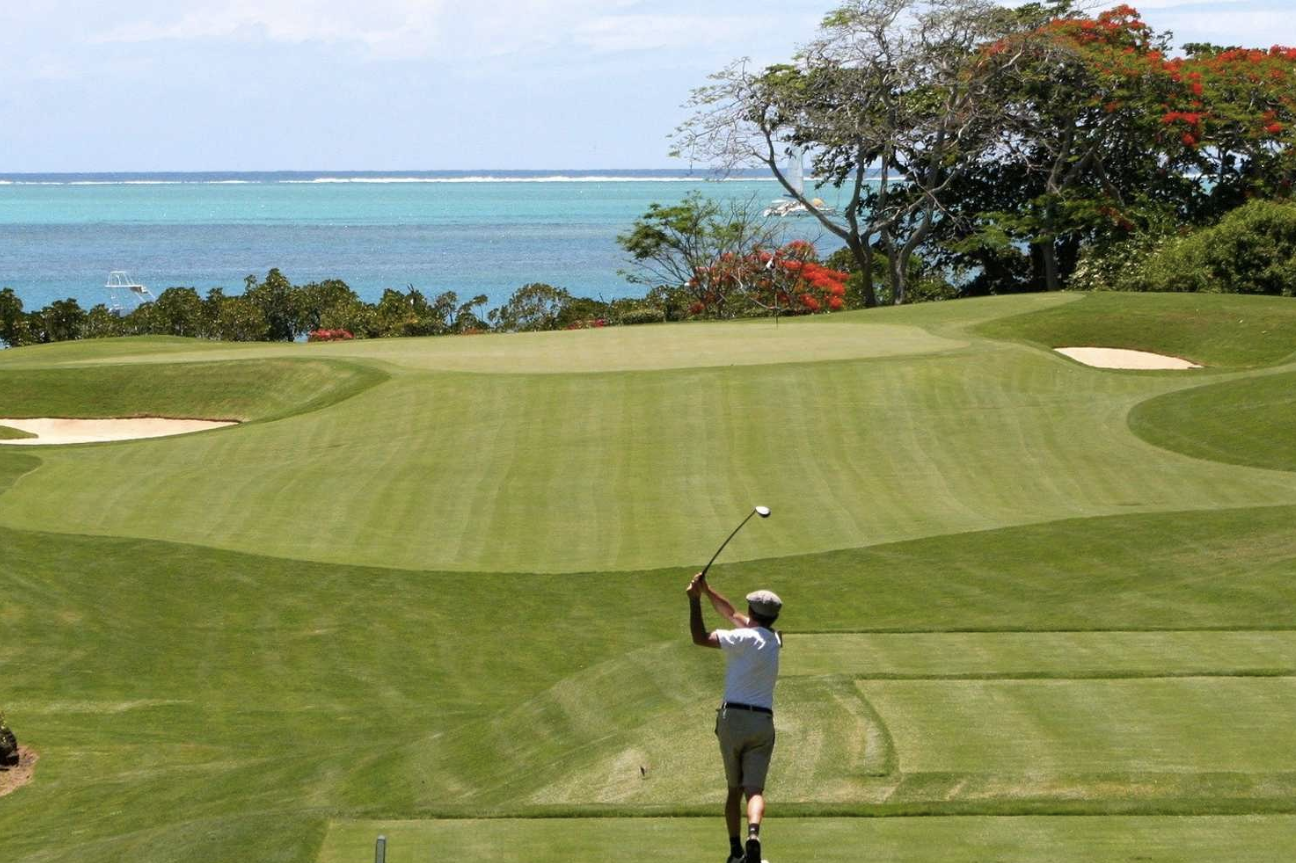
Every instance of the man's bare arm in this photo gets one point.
(724, 607)
(697, 629)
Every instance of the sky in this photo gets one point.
(245, 85)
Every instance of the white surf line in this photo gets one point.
(51, 430)
(1121, 358)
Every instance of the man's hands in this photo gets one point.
(697, 586)
(697, 630)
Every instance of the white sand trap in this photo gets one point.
(64, 431)
(1119, 358)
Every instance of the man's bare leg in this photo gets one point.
(755, 806)
(755, 812)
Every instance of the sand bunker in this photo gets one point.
(13, 778)
(64, 431)
(1119, 358)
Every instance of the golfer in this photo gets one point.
(745, 720)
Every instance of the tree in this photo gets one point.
(459, 317)
(101, 323)
(177, 312)
(891, 99)
(60, 321)
(279, 303)
(532, 307)
(1235, 112)
(330, 304)
(680, 246)
(1104, 135)
(235, 319)
(13, 323)
(787, 280)
(407, 314)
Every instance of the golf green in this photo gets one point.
(433, 588)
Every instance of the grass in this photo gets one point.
(230, 390)
(1246, 422)
(1215, 330)
(445, 470)
(1062, 727)
(7, 433)
(404, 597)
(831, 840)
(1030, 655)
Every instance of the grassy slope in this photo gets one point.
(617, 471)
(1212, 329)
(7, 433)
(222, 390)
(1246, 422)
(227, 687)
(695, 345)
(192, 703)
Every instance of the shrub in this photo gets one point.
(1252, 250)
(8, 744)
(1118, 267)
(330, 336)
(643, 315)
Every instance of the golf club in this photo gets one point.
(762, 511)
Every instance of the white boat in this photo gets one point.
(795, 175)
(124, 294)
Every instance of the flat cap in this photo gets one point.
(765, 603)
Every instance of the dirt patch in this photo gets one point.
(13, 778)
(1120, 358)
(52, 430)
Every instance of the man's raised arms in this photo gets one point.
(697, 629)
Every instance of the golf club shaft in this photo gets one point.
(726, 542)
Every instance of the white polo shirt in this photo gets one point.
(751, 665)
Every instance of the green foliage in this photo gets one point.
(924, 283)
(233, 319)
(532, 307)
(13, 323)
(642, 315)
(178, 312)
(1251, 251)
(1118, 266)
(677, 248)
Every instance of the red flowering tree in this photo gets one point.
(1233, 119)
(786, 280)
(1077, 155)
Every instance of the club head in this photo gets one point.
(763, 511)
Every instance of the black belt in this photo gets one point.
(734, 705)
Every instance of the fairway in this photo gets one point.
(432, 588)
(829, 840)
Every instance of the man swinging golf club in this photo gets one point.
(745, 720)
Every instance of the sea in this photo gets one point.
(471, 232)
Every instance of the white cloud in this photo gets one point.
(1254, 28)
(664, 32)
(376, 22)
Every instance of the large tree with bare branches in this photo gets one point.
(892, 102)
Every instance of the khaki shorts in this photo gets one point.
(746, 744)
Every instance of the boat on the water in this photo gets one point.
(125, 295)
(795, 174)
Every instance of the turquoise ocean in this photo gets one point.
(472, 232)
